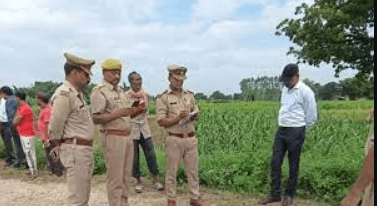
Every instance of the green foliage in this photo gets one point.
(99, 161)
(218, 95)
(47, 87)
(200, 96)
(333, 32)
(261, 89)
(269, 89)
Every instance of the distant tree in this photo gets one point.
(261, 89)
(333, 32)
(125, 87)
(201, 96)
(330, 91)
(238, 96)
(358, 88)
(229, 96)
(47, 87)
(217, 95)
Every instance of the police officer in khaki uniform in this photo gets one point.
(173, 106)
(71, 128)
(112, 112)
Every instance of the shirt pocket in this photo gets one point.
(174, 109)
(84, 114)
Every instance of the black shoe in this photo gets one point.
(9, 165)
(21, 166)
(288, 201)
(270, 199)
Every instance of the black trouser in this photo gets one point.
(289, 139)
(7, 139)
(150, 156)
(9, 132)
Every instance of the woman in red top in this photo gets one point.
(24, 122)
(56, 167)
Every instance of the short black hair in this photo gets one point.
(68, 68)
(45, 97)
(21, 95)
(130, 76)
(6, 90)
(290, 70)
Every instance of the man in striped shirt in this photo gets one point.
(298, 112)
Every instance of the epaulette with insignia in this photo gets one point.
(64, 93)
(159, 95)
(189, 91)
(98, 87)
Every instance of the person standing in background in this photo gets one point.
(142, 135)
(7, 139)
(298, 113)
(45, 109)
(24, 122)
(9, 130)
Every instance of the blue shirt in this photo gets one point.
(11, 108)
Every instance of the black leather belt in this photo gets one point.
(189, 135)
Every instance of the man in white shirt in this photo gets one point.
(298, 112)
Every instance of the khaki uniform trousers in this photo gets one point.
(186, 149)
(78, 161)
(119, 168)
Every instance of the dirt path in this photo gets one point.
(48, 191)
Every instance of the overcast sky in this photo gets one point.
(220, 41)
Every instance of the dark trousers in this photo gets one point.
(7, 139)
(287, 139)
(150, 156)
(8, 134)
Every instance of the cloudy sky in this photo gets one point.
(220, 41)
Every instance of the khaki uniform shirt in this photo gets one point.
(70, 116)
(105, 98)
(139, 123)
(169, 105)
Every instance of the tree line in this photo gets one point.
(252, 89)
(269, 89)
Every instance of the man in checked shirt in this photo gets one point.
(298, 112)
(142, 135)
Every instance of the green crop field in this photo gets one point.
(235, 145)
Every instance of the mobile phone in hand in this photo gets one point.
(135, 104)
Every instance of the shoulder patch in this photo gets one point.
(98, 89)
(164, 92)
(64, 93)
(189, 91)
